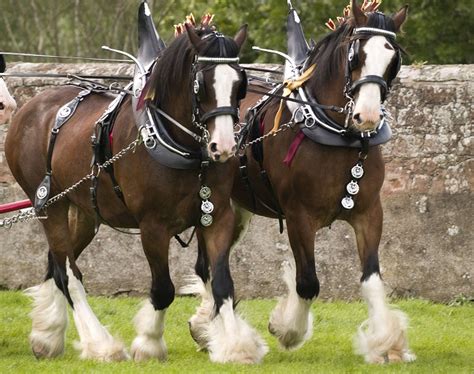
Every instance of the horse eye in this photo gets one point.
(388, 46)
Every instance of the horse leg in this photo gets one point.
(201, 285)
(230, 338)
(383, 336)
(292, 321)
(149, 321)
(95, 341)
(49, 314)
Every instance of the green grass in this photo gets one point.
(441, 336)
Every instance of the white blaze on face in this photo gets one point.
(378, 58)
(223, 134)
(7, 103)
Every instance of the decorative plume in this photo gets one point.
(368, 6)
(206, 21)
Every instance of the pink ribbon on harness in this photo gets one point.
(295, 144)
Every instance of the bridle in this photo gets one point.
(351, 88)
(311, 113)
(198, 91)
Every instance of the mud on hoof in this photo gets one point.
(384, 344)
(109, 351)
(145, 348)
(231, 339)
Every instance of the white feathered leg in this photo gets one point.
(49, 319)
(199, 322)
(291, 321)
(95, 341)
(383, 337)
(150, 325)
(231, 339)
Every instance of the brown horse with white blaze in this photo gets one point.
(161, 201)
(291, 175)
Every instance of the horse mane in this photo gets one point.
(2, 64)
(330, 54)
(174, 63)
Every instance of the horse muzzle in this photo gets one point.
(221, 152)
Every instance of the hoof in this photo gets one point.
(386, 345)
(112, 351)
(290, 339)
(145, 348)
(291, 329)
(200, 336)
(231, 339)
(42, 349)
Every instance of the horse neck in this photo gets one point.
(329, 90)
(177, 104)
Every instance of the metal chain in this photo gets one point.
(23, 216)
(282, 127)
(31, 214)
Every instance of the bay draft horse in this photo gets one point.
(309, 191)
(7, 102)
(159, 200)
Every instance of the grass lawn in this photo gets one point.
(442, 337)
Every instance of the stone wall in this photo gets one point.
(426, 248)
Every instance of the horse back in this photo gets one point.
(26, 144)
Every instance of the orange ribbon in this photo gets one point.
(288, 87)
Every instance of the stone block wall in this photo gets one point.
(426, 247)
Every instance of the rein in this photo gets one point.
(66, 76)
(333, 108)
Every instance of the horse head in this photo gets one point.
(357, 63)
(7, 103)
(199, 69)
(218, 87)
(373, 62)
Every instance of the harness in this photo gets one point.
(62, 116)
(311, 116)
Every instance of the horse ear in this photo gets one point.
(358, 13)
(195, 40)
(400, 17)
(241, 35)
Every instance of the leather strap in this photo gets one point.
(220, 111)
(371, 79)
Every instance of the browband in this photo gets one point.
(376, 31)
(218, 60)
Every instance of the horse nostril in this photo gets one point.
(213, 147)
(2, 106)
(357, 117)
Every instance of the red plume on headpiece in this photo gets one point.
(206, 21)
(368, 6)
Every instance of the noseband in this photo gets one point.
(200, 65)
